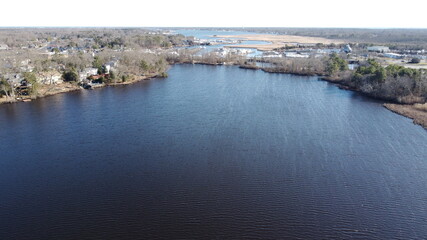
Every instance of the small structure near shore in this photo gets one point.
(347, 49)
(379, 49)
(4, 47)
(394, 55)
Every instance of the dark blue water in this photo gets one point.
(211, 153)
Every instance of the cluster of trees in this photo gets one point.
(137, 63)
(31, 86)
(95, 38)
(336, 64)
(6, 89)
(70, 75)
(304, 66)
(393, 82)
(155, 41)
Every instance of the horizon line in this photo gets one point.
(163, 27)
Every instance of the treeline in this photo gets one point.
(395, 83)
(212, 58)
(300, 66)
(396, 38)
(139, 63)
(132, 65)
(95, 38)
(135, 52)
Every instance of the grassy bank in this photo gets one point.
(417, 112)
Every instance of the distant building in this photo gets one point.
(110, 66)
(347, 49)
(14, 79)
(87, 72)
(379, 49)
(394, 55)
(306, 45)
(25, 66)
(50, 77)
(295, 55)
(3, 47)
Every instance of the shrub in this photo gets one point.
(70, 76)
(415, 60)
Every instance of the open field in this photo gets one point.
(278, 41)
(260, 47)
(400, 38)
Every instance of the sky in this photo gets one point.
(214, 13)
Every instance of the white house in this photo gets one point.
(87, 72)
(380, 49)
(49, 77)
(347, 49)
(394, 55)
(3, 47)
(295, 55)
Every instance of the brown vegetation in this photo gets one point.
(395, 38)
(48, 90)
(38, 55)
(299, 66)
(278, 41)
(417, 112)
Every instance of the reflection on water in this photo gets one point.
(211, 153)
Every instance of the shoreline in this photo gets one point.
(50, 90)
(418, 116)
(407, 110)
(412, 111)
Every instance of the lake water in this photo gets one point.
(211, 153)
(211, 35)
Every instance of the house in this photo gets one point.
(14, 79)
(111, 65)
(222, 52)
(25, 66)
(379, 49)
(271, 54)
(3, 47)
(295, 55)
(302, 45)
(98, 79)
(347, 49)
(49, 77)
(83, 75)
(394, 55)
(23, 88)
